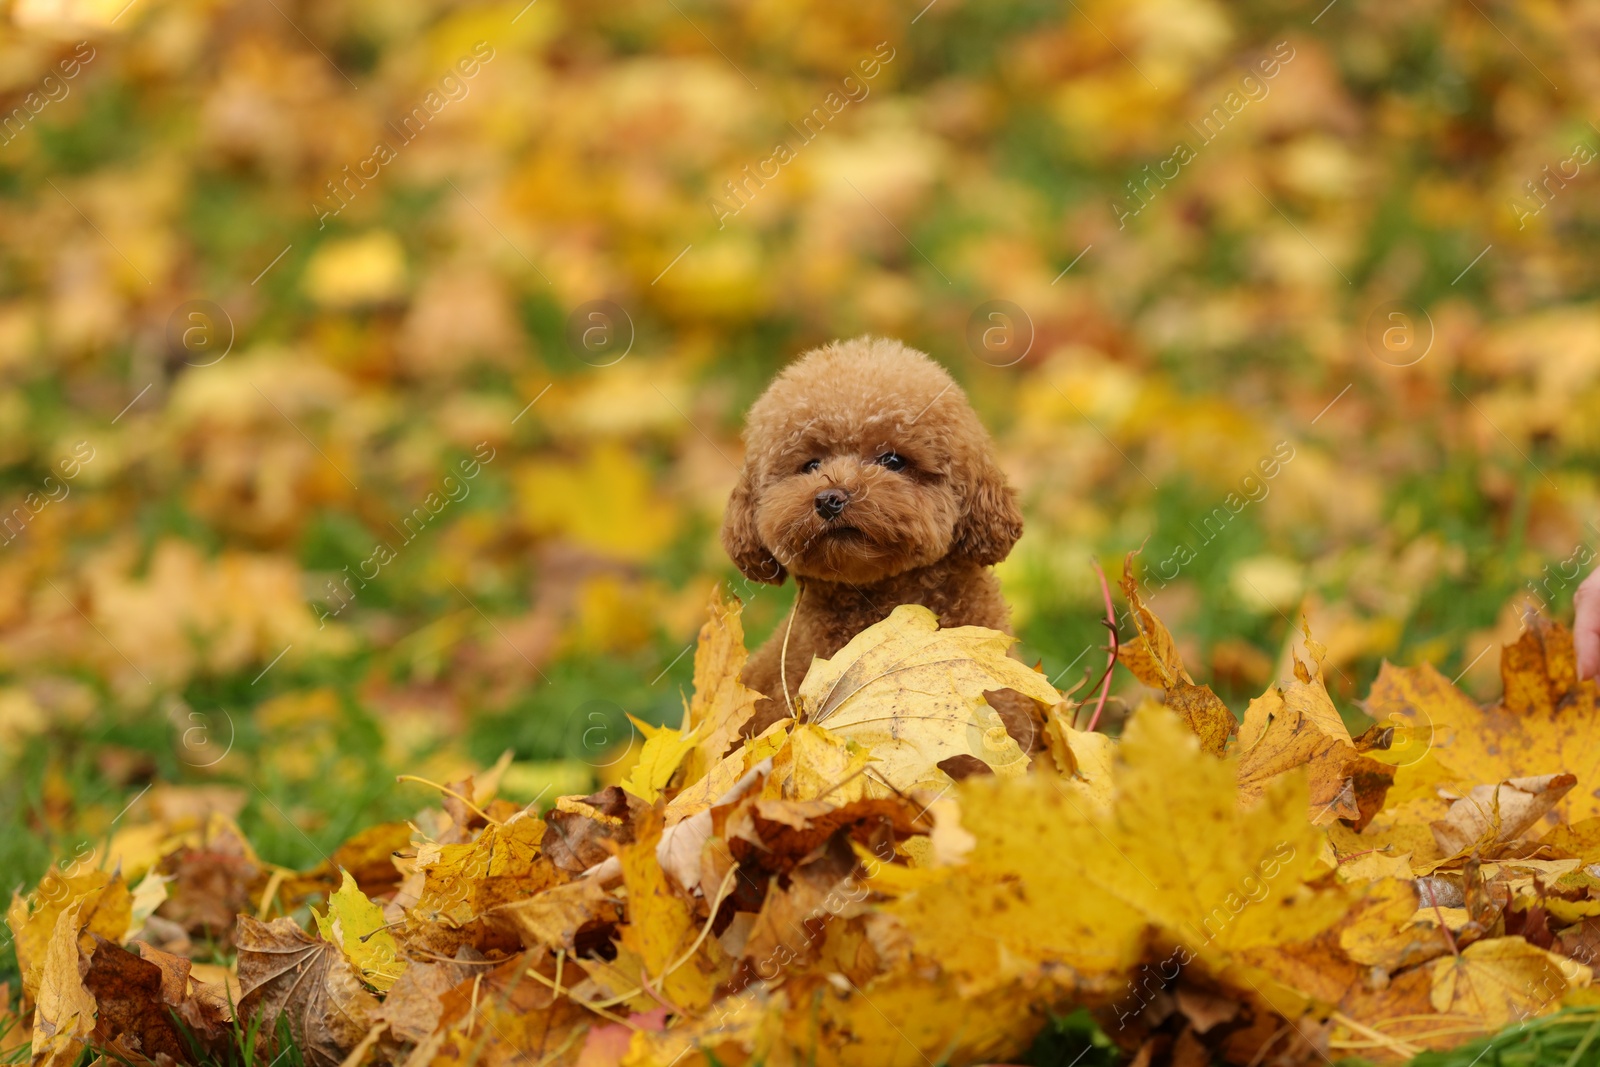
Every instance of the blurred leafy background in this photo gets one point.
(267, 389)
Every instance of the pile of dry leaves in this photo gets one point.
(1266, 892)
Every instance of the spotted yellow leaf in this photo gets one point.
(913, 695)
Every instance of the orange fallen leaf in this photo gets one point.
(1153, 658)
(1296, 725)
(1545, 722)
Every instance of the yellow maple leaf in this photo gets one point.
(1050, 881)
(1375, 865)
(1296, 725)
(1580, 839)
(913, 694)
(64, 1014)
(1023, 885)
(1214, 873)
(1503, 979)
(107, 910)
(698, 797)
(721, 704)
(817, 762)
(1545, 723)
(1083, 757)
(661, 935)
(663, 750)
(1379, 931)
(357, 926)
(903, 1018)
(462, 881)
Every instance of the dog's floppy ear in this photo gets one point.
(742, 540)
(993, 520)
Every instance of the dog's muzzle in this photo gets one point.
(830, 503)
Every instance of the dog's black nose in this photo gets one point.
(830, 502)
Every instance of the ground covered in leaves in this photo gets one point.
(304, 482)
(1274, 891)
(190, 597)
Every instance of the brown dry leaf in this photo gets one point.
(1190, 1051)
(463, 819)
(1494, 815)
(1205, 1009)
(210, 884)
(132, 997)
(215, 988)
(1153, 655)
(507, 1018)
(582, 830)
(913, 695)
(412, 1009)
(788, 930)
(554, 918)
(175, 970)
(283, 970)
(1546, 722)
(772, 836)
(1153, 658)
(1581, 942)
(205, 1008)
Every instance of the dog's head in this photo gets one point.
(864, 460)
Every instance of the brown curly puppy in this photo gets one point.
(868, 477)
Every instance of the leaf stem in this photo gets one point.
(447, 791)
(783, 653)
(1111, 661)
(1444, 927)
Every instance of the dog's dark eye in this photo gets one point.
(811, 465)
(892, 460)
